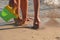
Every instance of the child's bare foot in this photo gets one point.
(21, 22)
(30, 18)
(17, 21)
(36, 24)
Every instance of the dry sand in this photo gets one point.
(50, 30)
(10, 32)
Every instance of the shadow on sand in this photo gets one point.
(13, 27)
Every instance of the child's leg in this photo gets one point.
(15, 4)
(18, 20)
(24, 8)
(36, 14)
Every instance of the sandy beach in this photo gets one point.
(49, 29)
(9, 32)
(45, 32)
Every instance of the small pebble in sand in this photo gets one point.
(58, 38)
